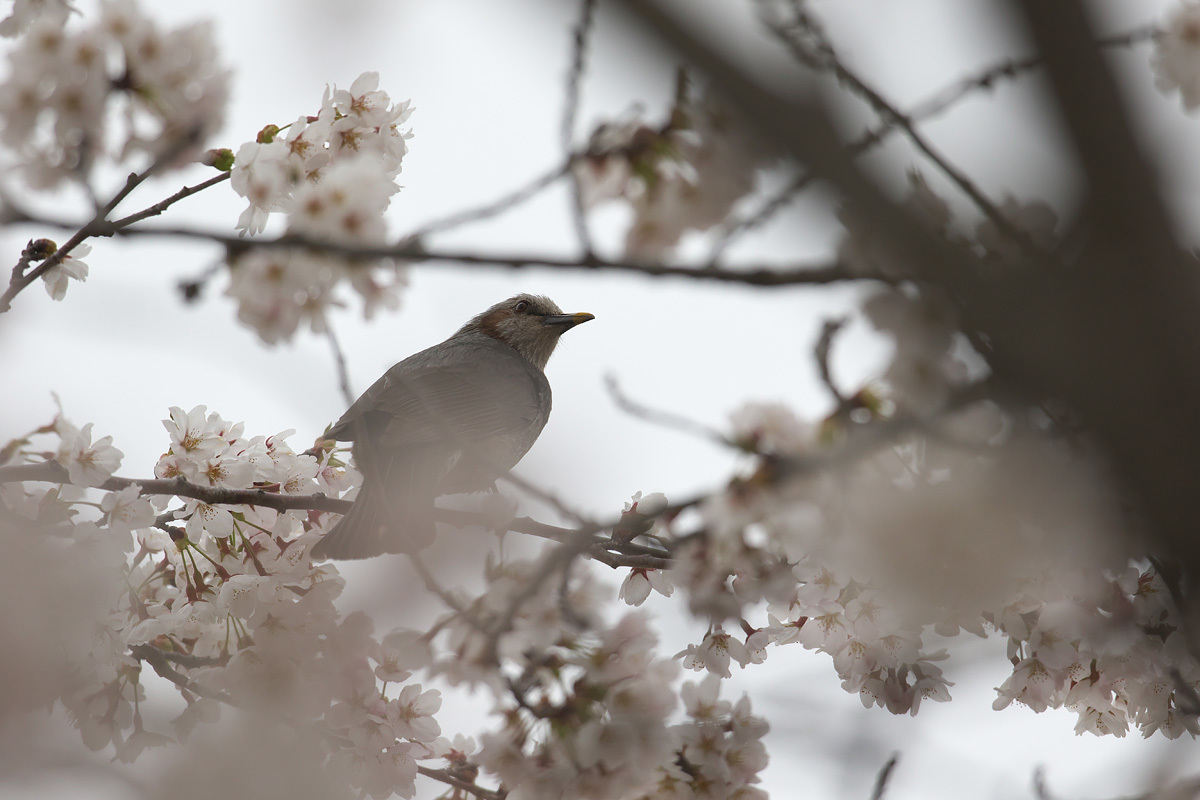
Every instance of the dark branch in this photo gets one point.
(339, 360)
(659, 417)
(157, 659)
(606, 550)
(821, 355)
(760, 276)
(445, 777)
(885, 775)
(491, 209)
(587, 13)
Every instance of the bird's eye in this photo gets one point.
(521, 307)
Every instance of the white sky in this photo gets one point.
(486, 78)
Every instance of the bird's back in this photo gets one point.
(472, 402)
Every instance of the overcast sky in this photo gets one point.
(486, 78)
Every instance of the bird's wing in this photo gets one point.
(471, 401)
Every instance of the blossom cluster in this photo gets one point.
(226, 600)
(1067, 652)
(332, 176)
(870, 559)
(684, 175)
(57, 101)
(230, 602)
(587, 707)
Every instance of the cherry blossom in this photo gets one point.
(88, 463)
(71, 267)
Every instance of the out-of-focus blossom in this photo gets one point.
(1035, 220)
(64, 81)
(1177, 55)
(26, 12)
(686, 175)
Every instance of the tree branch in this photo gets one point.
(587, 12)
(827, 60)
(608, 551)
(445, 777)
(885, 775)
(493, 208)
(408, 250)
(156, 659)
(99, 224)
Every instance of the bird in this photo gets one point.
(450, 419)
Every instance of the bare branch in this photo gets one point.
(939, 103)
(445, 777)
(339, 359)
(493, 208)
(1015, 68)
(666, 418)
(733, 227)
(408, 250)
(821, 355)
(587, 12)
(885, 775)
(156, 659)
(161, 206)
(826, 60)
(99, 222)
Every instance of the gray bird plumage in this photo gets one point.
(449, 419)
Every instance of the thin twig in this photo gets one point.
(552, 561)
(445, 777)
(940, 102)
(885, 775)
(434, 587)
(83, 232)
(493, 208)
(1008, 70)
(570, 111)
(821, 355)
(550, 499)
(339, 360)
(667, 419)
(734, 227)
(1040, 790)
(156, 659)
(826, 60)
(161, 206)
(99, 221)
(879, 435)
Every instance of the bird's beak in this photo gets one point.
(568, 321)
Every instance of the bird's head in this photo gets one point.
(529, 323)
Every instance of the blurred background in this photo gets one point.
(487, 79)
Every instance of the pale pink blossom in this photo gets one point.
(71, 267)
(87, 463)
